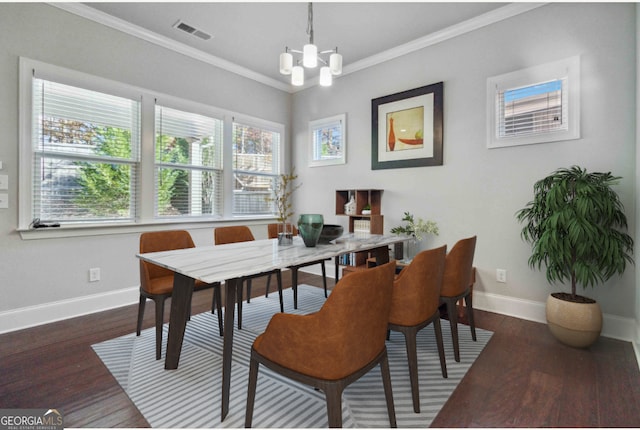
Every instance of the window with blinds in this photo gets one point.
(96, 152)
(188, 160)
(256, 155)
(85, 152)
(535, 105)
(538, 108)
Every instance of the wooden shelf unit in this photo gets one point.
(362, 197)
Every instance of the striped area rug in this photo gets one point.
(189, 397)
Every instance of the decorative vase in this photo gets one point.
(410, 249)
(574, 324)
(310, 227)
(285, 233)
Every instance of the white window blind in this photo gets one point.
(256, 155)
(538, 108)
(188, 159)
(86, 147)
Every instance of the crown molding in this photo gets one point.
(492, 17)
(475, 23)
(165, 42)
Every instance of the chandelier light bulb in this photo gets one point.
(297, 76)
(310, 55)
(335, 64)
(325, 76)
(286, 63)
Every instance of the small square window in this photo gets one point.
(327, 141)
(535, 105)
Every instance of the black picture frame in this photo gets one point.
(416, 150)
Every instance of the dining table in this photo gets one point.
(229, 264)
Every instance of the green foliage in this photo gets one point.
(416, 229)
(574, 225)
(282, 191)
(105, 187)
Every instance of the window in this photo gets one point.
(86, 158)
(188, 157)
(327, 139)
(85, 154)
(256, 165)
(535, 105)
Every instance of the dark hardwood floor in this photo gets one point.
(523, 378)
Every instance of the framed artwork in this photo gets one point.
(328, 141)
(407, 128)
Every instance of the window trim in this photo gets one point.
(569, 68)
(145, 207)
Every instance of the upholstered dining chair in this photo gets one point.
(333, 347)
(272, 231)
(242, 233)
(156, 283)
(414, 305)
(456, 285)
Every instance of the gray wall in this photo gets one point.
(41, 271)
(477, 191)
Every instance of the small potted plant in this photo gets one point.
(414, 229)
(366, 210)
(574, 224)
(281, 198)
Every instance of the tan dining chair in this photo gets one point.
(242, 233)
(156, 283)
(415, 304)
(333, 347)
(456, 285)
(272, 231)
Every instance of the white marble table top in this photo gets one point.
(217, 263)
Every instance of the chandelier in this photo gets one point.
(310, 59)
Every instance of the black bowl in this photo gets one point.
(330, 232)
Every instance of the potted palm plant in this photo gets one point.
(575, 225)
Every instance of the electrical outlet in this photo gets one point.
(94, 274)
(501, 275)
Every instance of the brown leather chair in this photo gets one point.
(272, 231)
(457, 285)
(298, 346)
(414, 305)
(242, 233)
(156, 283)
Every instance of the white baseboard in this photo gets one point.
(31, 316)
(613, 326)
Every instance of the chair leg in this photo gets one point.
(239, 293)
(159, 321)
(143, 301)
(251, 392)
(324, 278)
(437, 327)
(388, 393)
(412, 356)
(453, 321)
(266, 294)
(294, 286)
(217, 298)
(279, 278)
(333, 394)
(469, 303)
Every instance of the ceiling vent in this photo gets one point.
(180, 25)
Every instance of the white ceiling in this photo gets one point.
(250, 36)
